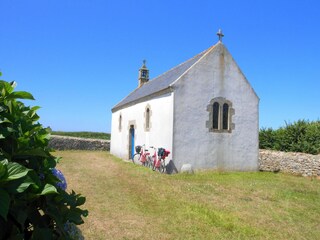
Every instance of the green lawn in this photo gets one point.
(127, 201)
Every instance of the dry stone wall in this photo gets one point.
(289, 162)
(74, 143)
(271, 161)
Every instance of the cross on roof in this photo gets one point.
(220, 35)
(144, 64)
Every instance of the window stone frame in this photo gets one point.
(209, 124)
(147, 128)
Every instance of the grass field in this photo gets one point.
(127, 201)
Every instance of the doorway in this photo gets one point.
(131, 142)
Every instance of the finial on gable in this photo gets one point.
(220, 35)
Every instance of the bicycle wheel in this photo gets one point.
(136, 158)
(150, 162)
(163, 167)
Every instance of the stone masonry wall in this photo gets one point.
(271, 161)
(74, 143)
(289, 162)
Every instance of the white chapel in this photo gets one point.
(204, 111)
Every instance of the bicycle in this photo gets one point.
(137, 154)
(141, 155)
(151, 159)
(159, 160)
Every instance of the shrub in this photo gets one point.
(267, 138)
(34, 203)
(301, 136)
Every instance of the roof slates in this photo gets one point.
(161, 82)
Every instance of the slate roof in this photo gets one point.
(159, 83)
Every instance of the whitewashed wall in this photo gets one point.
(161, 122)
(215, 75)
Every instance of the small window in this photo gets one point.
(120, 122)
(225, 118)
(215, 117)
(148, 118)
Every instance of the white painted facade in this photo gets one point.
(215, 75)
(179, 117)
(161, 125)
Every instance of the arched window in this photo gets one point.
(215, 117)
(147, 118)
(220, 115)
(225, 116)
(120, 122)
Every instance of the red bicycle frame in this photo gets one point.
(159, 159)
(143, 156)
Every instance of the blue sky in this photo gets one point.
(79, 58)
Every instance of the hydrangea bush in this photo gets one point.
(34, 203)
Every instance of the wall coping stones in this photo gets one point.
(74, 143)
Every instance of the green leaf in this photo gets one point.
(38, 152)
(5, 87)
(35, 108)
(3, 169)
(16, 171)
(25, 184)
(5, 132)
(4, 203)
(50, 162)
(81, 201)
(49, 189)
(5, 120)
(17, 185)
(75, 215)
(21, 95)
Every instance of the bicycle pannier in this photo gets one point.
(138, 149)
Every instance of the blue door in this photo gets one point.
(131, 143)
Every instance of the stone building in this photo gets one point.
(204, 111)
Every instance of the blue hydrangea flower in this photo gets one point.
(41, 176)
(63, 183)
(73, 231)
